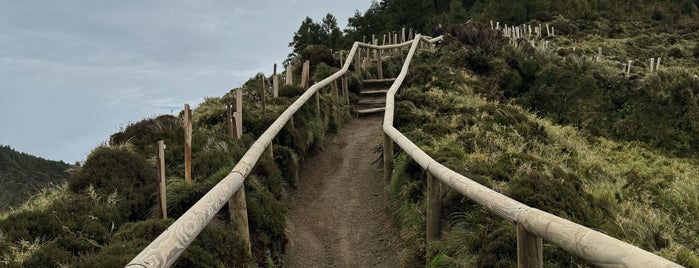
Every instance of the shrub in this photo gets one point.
(118, 170)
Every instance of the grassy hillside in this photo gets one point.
(558, 131)
(107, 212)
(23, 175)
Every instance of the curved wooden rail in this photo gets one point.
(164, 250)
(532, 224)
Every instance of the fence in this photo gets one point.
(532, 225)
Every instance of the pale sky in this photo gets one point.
(74, 72)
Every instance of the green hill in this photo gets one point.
(23, 175)
(553, 129)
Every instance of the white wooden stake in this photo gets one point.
(652, 64)
(657, 64)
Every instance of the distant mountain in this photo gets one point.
(22, 175)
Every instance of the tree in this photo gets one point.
(309, 33)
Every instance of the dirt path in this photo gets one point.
(338, 217)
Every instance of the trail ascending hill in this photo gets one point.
(338, 216)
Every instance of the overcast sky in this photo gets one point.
(74, 72)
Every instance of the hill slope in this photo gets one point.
(22, 175)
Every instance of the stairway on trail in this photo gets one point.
(372, 96)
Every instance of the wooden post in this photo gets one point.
(336, 102)
(318, 101)
(553, 31)
(262, 94)
(357, 63)
(411, 36)
(161, 177)
(187, 143)
(289, 75)
(491, 24)
(652, 64)
(384, 40)
(599, 54)
(402, 35)
(345, 89)
(379, 61)
(657, 64)
(305, 75)
(238, 211)
(232, 132)
(548, 31)
(497, 25)
(239, 113)
(270, 151)
(387, 158)
(275, 83)
(628, 68)
(529, 249)
(434, 207)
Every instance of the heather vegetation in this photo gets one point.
(23, 175)
(555, 129)
(107, 212)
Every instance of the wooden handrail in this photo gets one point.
(593, 246)
(164, 250)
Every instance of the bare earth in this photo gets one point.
(338, 217)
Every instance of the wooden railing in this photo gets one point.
(164, 250)
(532, 224)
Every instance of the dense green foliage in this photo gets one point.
(555, 131)
(108, 211)
(23, 175)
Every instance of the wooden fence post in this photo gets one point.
(275, 83)
(305, 75)
(628, 68)
(379, 61)
(239, 113)
(357, 68)
(262, 94)
(652, 64)
(289, 75)
(434, 207)
(657, 64)
(336, 103)
(529, 249)
(238, 211)
(345, 89)
(387, 158)
(161, 177)
(232, 132)
(187, 143)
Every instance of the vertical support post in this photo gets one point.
(345, 89)
(548, 30)
(529, 249)
(161, 177)
(289, 75)
(357, 66)
(318, 101)
(239, 113)
(657, 64)
(402, 35)
(379, 61)
(335, 95)
(652, 64)
(238, 211)
(187, 143)
(553, 31)
(434, 207)
(270, 151)
(384, 40)
(275, 83)
(232, 132)
(599, 54)
(628, 68)
(262, 94)
(387, 158)
(305, 75)
(411, 36)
